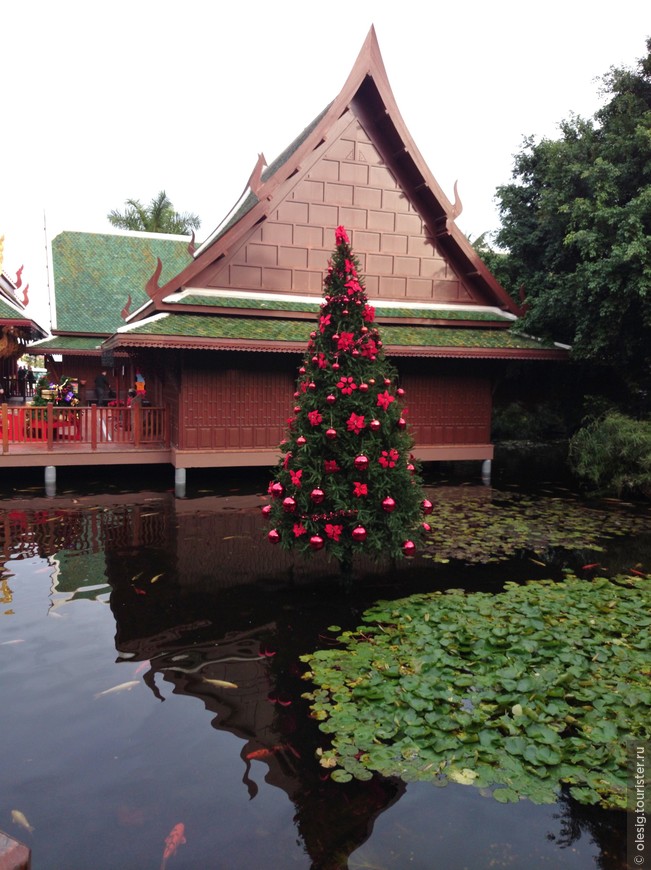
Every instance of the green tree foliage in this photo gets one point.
(576, 223)
(347, 483)
(157, 217)
(612, 454)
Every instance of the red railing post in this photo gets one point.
(93, 427)
(50, 425)
(4, 418)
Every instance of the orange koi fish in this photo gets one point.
(173, 840)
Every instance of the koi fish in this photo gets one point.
(221, 684)
(19, 818)
(590, 566)
(121, 688)
(20, 639)
(157, 577)
(262, 754)
(636, 572)
(142, 667)
(139, 591)
(173, 840)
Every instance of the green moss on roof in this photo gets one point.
(258, 329)
(94, 274)
(313, 307)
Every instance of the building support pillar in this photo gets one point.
(179, 482)
(50, 480)
(486, 469)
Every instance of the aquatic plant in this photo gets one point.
(514, 693)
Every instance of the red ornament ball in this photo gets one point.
(330, 399)
(316, 542)
(364, 330)
(289, 505)
(361, 462)
(301, 371)
(371, 381)
(266, 510)
(427, 506)
(345, 312)
(363, 388)
(336, 336)
(277, 489)
(311, 386)
(427, 527)
(315, 360)
(335, 367)
(375, 425)
(354, 352)
(387, 382)
(409, 548)
(402, 423)
(297, 409)
(273, 537)
(296, 395)
(389, 504)
(331, 434)
(410, 468)
(400, 392)
(358, 533)
(317, 495)
(301, 440)
(313, 335)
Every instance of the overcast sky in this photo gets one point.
(104, 102)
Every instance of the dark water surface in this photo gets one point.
(184, 601)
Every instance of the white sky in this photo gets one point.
(102, 102)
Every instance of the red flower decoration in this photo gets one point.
(315, 418)
(369, 348)
(353, 286)
(349, 266)
(360, 488)
(369, 313)
(324, 321)
(321, 360)
(384, 400)
(347, 385)
(333, 531)
(299, 529)
(346, 340)
(331, 466)
(296, 477)
(288, 456)
(355, 423)
(389, 458)
(341, 236)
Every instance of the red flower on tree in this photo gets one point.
(349, 266)
(331, 467)
(333, 531)
(347, 385)
(299, 529)
(296, 476)
(315, 418)
(355, 423)
(369, 313)
(324, 321)
(360, 488)
(389, 458)
(288, 456)
(384, 399)
(346, 340)
(341, 236)
(322, 362)
(369, 348)
(353, 286)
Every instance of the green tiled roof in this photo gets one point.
(8, 312)
(313, 307)
(94, 274)
(269, 330)
(62, 343)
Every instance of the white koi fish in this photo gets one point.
(123, 687)
(19, 818)
(221, 684)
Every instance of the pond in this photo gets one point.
(152, 677)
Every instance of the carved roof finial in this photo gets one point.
(125, 311)
(255, 179)
(457, 208)
(152, 285)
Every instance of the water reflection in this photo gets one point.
(201, 611)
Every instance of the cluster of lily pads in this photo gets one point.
(478, 527)
(515, 693)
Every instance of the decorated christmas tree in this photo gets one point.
(347, 482)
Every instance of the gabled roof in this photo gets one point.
(13, 313)
(95, 275)
(356, 165)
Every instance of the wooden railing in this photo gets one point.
(47, 426)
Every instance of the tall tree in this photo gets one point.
(347, 482)
(576, 223)
(157, 217)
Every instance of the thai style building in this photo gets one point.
(218, 332)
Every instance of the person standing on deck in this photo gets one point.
(102, 388)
